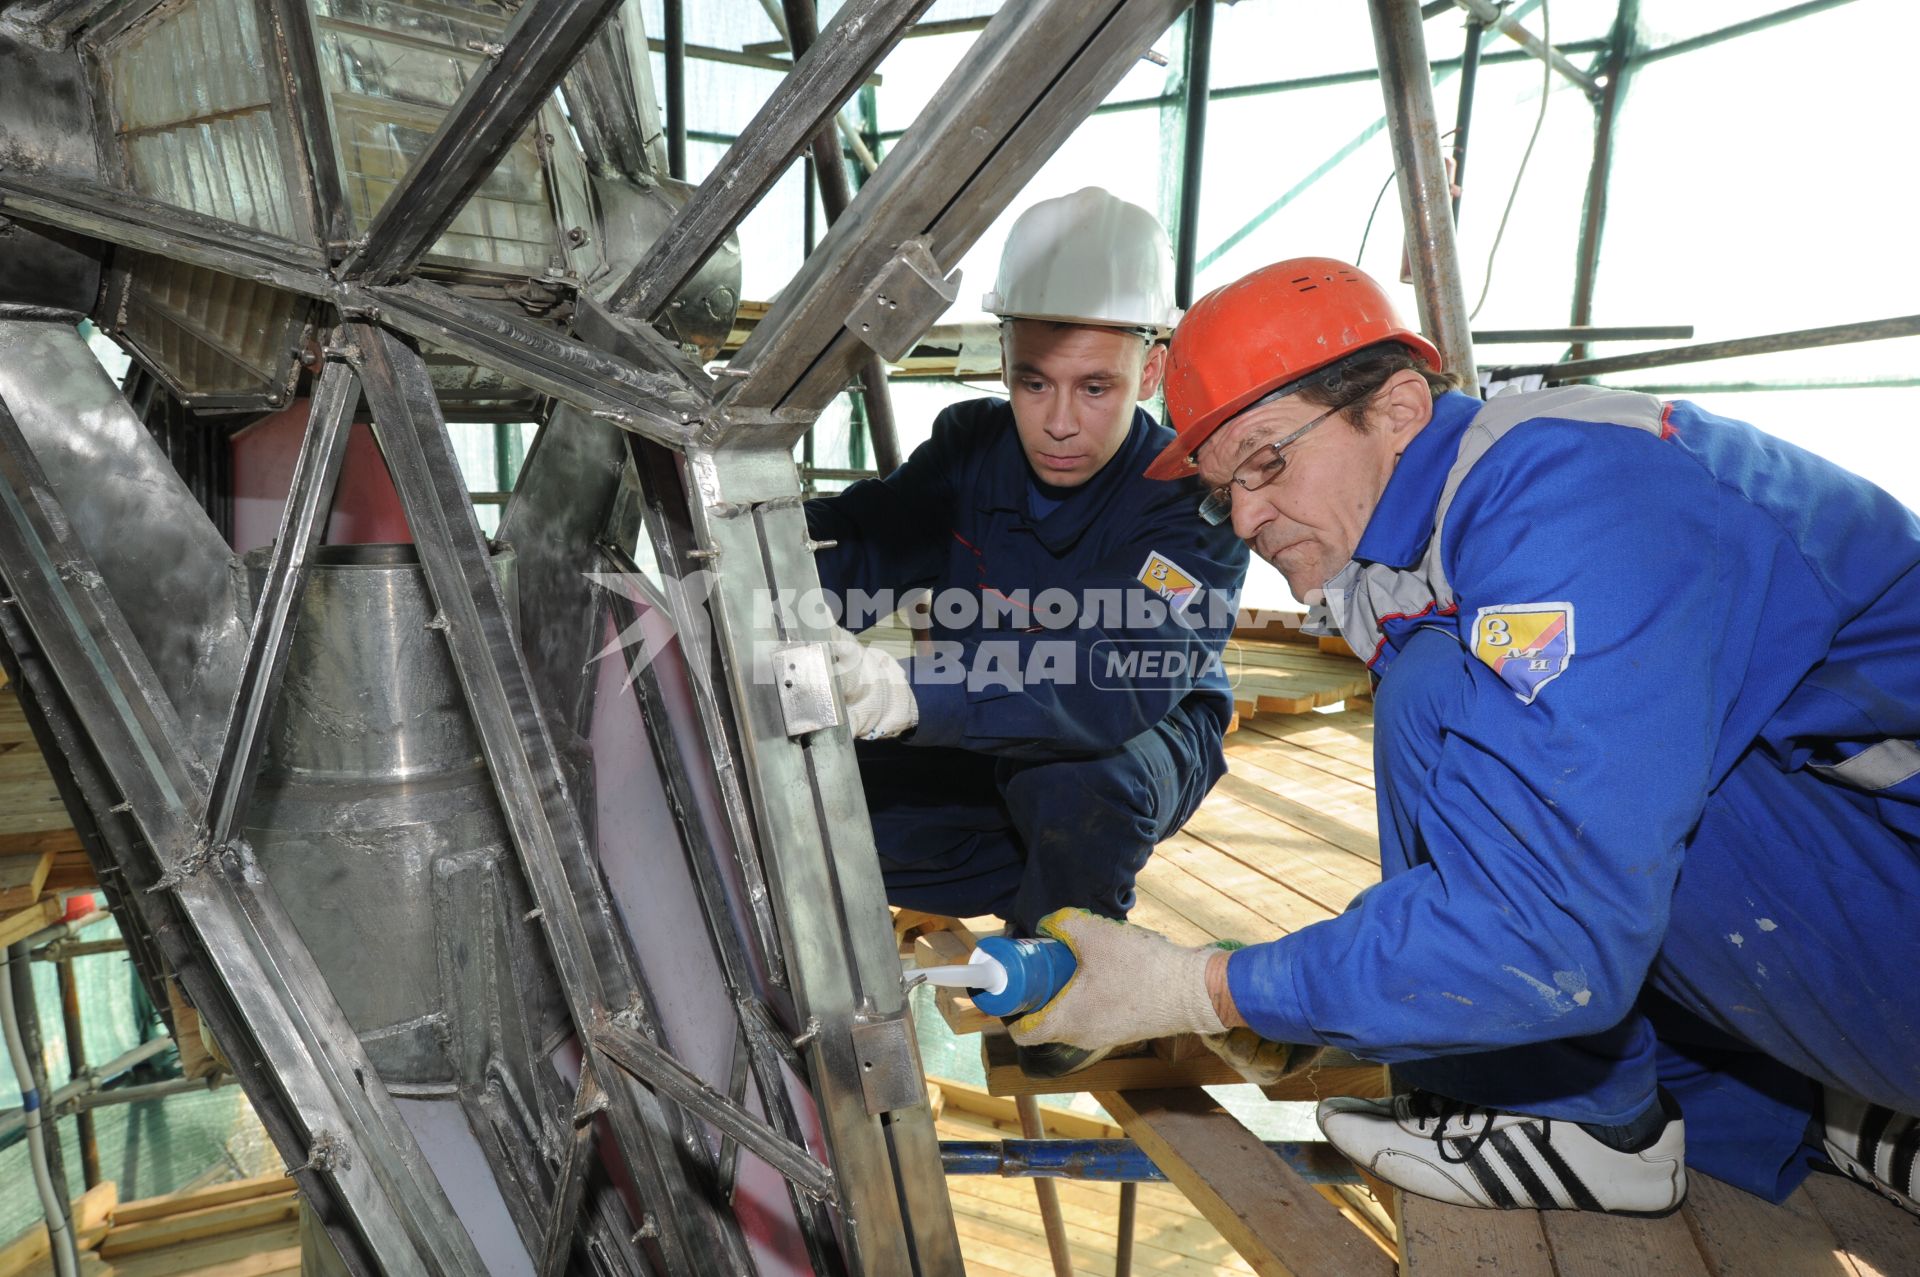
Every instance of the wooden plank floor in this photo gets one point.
(1287, 839)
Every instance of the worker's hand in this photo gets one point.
(1259, 1061)
(1129, 985)
(879, 697)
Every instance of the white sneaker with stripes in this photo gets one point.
(1470, 1156)
(1874, 1145)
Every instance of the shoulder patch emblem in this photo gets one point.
(1167, 579)
(1527, 644)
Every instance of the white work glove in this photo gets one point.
(1259, 1061)
(1130, 985)
(1253, 1057)
(879, 698)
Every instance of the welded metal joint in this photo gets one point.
(328, 1154)
(235, 853)
(904, 300)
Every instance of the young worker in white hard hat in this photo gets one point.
(1072, 713)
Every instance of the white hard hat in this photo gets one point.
(1087, 258)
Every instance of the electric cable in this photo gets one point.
(1374, 212)
(1365, 234)
(1546, 87)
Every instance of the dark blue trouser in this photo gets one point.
(963, 833)
(1792, 958)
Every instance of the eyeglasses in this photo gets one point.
(1266, 464)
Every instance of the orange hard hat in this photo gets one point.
(1254, 336)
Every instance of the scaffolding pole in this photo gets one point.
(1406, 82)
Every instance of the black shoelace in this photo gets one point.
(1438, 1109)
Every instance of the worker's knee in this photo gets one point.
(1127, 794)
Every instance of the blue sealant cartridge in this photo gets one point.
(1008, 977)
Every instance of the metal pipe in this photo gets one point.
(62, 950)
(1045, 1191)
(1463, 114)
(1113, 1161)
(1407, 84)
(1193, 150)
(116, 1095)
(1747, 27)
(1770, 344)
(58, 1234)
(856, 144)
(1582, 332)
(676, 52)
(1593, 215)
(1507, 24)
(94, 1080)
(1123, 1232)
(77, 1068)
(836, 192)
(64, 930)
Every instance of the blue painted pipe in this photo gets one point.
(1113, 1161)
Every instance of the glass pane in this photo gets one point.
(192, 104)
(392, 70)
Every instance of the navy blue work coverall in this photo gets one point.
(1072, 715)
(1649, 788)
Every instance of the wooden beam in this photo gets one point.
(1262, 1206)
(16, 927)
(22, 877)
(170, 1230)
(28, 1252)
(238, 1190)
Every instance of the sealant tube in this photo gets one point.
(1034, 971)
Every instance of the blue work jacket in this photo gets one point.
(1057, 637)
(1651, 591)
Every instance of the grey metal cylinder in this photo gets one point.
(373, 816)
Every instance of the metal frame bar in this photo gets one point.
(316, 474)
(1046, 1194)
(758, 1039)
(829, 170)
(1508, 24)
(1616, 65)
(1032, 76)
(542, 821)
(536, 51)
(1737, 29)
(321, 1092)
(658, 399)
(675, 24)
(311, 121)
(1365, 75)
(1199, 73)
(570, 1184)
(1770, 344)
(1463, 110)
(1425, 200)
(645, 1062)
(804, 102)
(843, 967)
(1115, 1161)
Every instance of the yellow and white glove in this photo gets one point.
(1259, 1061)
(879, 697)
(1129, 985)
(1253, 1057)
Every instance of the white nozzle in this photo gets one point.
(981, 972)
